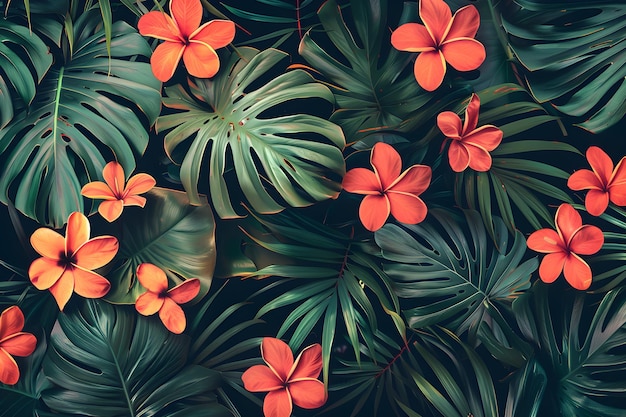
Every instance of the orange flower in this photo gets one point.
(469, 146)
(116, 195)
(604, 183)
(564, 246)
(67, 264)
(184, 37)
(13, 342)
(442, 38)
(285, 379)
(166, 302)
(387, 190)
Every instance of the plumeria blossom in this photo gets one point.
(442, 39)
(603, 182)
(13, 342)
(116, 193)
(387, 190)
(287, 381)
(67, 263)
(184, 37)
(158, 298)
(564, 247)
(469, 146)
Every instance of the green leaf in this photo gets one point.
(455, 278)
(82, 116)
(296, 157)
(374, 86)
(110, 361)
(572, 55)
(169, 233)
(526, 390)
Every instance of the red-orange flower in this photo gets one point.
(604, 183)
(116, 193)
(287, 381)
(387, 190)
(67, 263)
(184, 37)
(166, 302)
(13, 342)
(564, 246)
(442, 38)
(469, 146)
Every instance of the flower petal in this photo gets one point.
(187, 14)
(277, 404)
(458, 156)
(172, 316)
(584, 179)
(414, 180)
(601, 163)
(216, 33)
(308, 393)
(201, 60)
(148, 303)
(386, 162)
(374, 211)
(113, 174)
(361, 181)
(44, 272)
(97, 252)
(97, 189)
(185, 291)
(617, 194)
(48, 243)
(165, 59)
(111, 210)
(88, 284)
(596, 202)
(464, 24)
(545, 241)
(11, 321)
(587, 240)
(9, 372)
(159, 25)
(260, 378)
(436, 15)
(407, 208)
(567, 221)
(62, 289)
(577, 272)
(464, 54)
(450, 124)
(139, 184)
(278, 356)
(619, 173)
(308, 364)
(479, 159)
(134, 200)
(412, 37)
(487, 137)
(152, 278)
(19, 344)
(429, 69)
(551, 266)
(77, 232)
(471, 115)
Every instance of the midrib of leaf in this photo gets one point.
(55, 122)
(155, 240)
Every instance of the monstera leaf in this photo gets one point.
(169, 233)
(109, 361)
(16, 79)
(375, 89)
(85, 110)
(456, 279)
(293, 159)
(572, 55)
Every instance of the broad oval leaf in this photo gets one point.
(272, 156)
(572, 55)
(455, 278)
(82, 107)
(169, 233)
(110, 361)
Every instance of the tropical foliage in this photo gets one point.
(300, 207)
